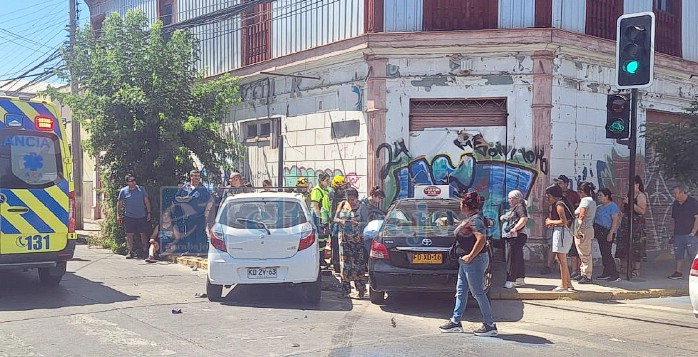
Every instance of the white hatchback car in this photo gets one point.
(264, 238)
(693, 285)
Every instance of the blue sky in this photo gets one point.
(30, 31)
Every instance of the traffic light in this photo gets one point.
(617, 116)
(635, 50)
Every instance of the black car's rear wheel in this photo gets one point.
(377, 297)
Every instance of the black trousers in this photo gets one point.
(515, 258)
(609, 263)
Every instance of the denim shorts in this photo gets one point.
(683, 244)
(562, 240)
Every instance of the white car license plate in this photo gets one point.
(261, 273)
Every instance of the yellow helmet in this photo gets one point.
(338, 181)
(302, 182)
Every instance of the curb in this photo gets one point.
(202, 264)
(199, 263)
(590, 295)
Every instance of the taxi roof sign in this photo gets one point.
(431, 191)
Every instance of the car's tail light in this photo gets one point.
(307, 241)
(379, 251)
(217, 240)
(694, 267)
(71, 212)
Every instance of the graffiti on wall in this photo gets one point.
(293, 173)
(491, 169)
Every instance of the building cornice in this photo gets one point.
(481, 42)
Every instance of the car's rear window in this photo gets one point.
(29, 159)
(414, 216)
(274, 214)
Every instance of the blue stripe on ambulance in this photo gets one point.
(63, 185)
(30, 216)
(11, 108)
(43, 111)
(6, 227)
(51, 204)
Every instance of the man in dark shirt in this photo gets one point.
(133, 201)
(684, 211)
(571, 196)
(198, 202)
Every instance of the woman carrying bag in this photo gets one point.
(515, 237)
(559, 221)
(470, 246)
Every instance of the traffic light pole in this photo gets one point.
(631, 184)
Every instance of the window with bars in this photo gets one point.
(450, 113)
(256, 33)
(667, 37)
(166, 11)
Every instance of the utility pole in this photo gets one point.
(75, 142)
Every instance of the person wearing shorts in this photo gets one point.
(133, 201)
(559, 221)
(684, 211)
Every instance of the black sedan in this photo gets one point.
(409, 249)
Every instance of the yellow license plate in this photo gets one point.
(427, 258)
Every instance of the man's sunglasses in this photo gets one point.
(130, 180)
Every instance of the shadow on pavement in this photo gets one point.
(526, 339)
(22, 291)
(282, 297)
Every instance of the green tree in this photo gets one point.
(146, 108)
(674, 145)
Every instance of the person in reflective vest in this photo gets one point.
(321, 206)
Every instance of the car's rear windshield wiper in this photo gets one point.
(258, 223)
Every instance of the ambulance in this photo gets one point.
(37, 218)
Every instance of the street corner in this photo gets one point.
(585, 295)
(199, 263)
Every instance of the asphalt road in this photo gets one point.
(110, 306)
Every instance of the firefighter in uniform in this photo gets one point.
(321, 209)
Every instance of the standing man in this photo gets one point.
(133, 201)
(684, 211)
(321, 208)
(199, 202)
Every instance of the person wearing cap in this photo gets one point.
(133, 201)
(574, 199)
(302, 188)
(321, 208)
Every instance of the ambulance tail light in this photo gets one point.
(44, 123)
(71, 212)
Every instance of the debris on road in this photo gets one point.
(176, 311)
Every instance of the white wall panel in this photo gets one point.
(689, 30)
(570, 15)
(517, 13)
(633, 6)
(403, 15)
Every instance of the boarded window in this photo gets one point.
(256, 33)
(345, 129)
(447, 15)
(668, 22)
(445, 113)
(544, 13)
(602, 16)
(96, 23)
(166, 12)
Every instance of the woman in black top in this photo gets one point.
(470, 247)
(559, 221)
(515, 238)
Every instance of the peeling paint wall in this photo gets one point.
(307, 107)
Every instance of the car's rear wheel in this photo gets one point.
(214, 292)
(377, 297)
(312, 291)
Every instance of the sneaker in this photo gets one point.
(614, 279)
(546, 271)
(151, 259)
(559, 290)
(451, 326)
(131, 255)
(603, 277)
(676, 276)
(487, 331)
(575, 276)
(584, 280)
(509, 285)
(520, 282)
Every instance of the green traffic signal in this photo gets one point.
(618, 126)
(631, 67)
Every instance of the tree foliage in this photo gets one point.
(674, 145)
(145, 106)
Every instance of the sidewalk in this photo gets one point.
(652, 283)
